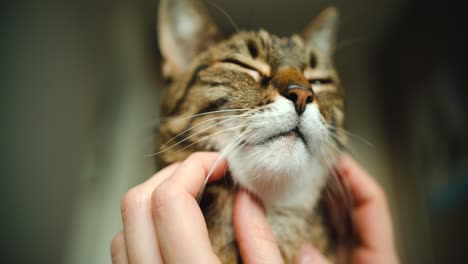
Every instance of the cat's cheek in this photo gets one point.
(315, 131)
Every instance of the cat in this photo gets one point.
(272, 106)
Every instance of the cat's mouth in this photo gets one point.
(294, 133)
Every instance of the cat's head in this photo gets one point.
(273, 106)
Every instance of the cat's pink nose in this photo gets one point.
(300, 96)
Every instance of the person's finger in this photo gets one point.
(191, 174)
(140, 235)
(181, 228)
(253, 233)
(118, 250)
(371, 217)
(309, 255)
(361, 184)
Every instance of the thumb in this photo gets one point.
(253, 233)
(310, 255)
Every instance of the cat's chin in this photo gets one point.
(282, 172)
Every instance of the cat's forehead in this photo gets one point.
(274, 50)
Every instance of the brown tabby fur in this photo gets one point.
(247, 70)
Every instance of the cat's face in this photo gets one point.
(272, 106)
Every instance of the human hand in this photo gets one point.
(161, 217)
(372, 224)
(371, 216)
(163, 222)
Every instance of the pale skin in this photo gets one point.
(162, 222)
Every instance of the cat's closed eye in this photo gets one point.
(241, 63)
(258, 70)
(320, 81)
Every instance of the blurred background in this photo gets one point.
(79, 102)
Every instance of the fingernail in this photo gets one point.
(307, 255)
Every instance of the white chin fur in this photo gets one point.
(284, 171)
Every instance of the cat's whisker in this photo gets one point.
(157, 120)
(348, 148)
(203, 138)
(331, 142)
(208, 136)
(225, 151)
(246, 142)
(229, 18)
(349, 133)
(350, 151)
(210, 112)
(229, 117)
(193, 135)
(335, 138)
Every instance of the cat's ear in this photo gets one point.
(184, 30)
(322, 32)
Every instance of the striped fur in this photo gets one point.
(229, 96)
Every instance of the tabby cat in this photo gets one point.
(272, 106)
